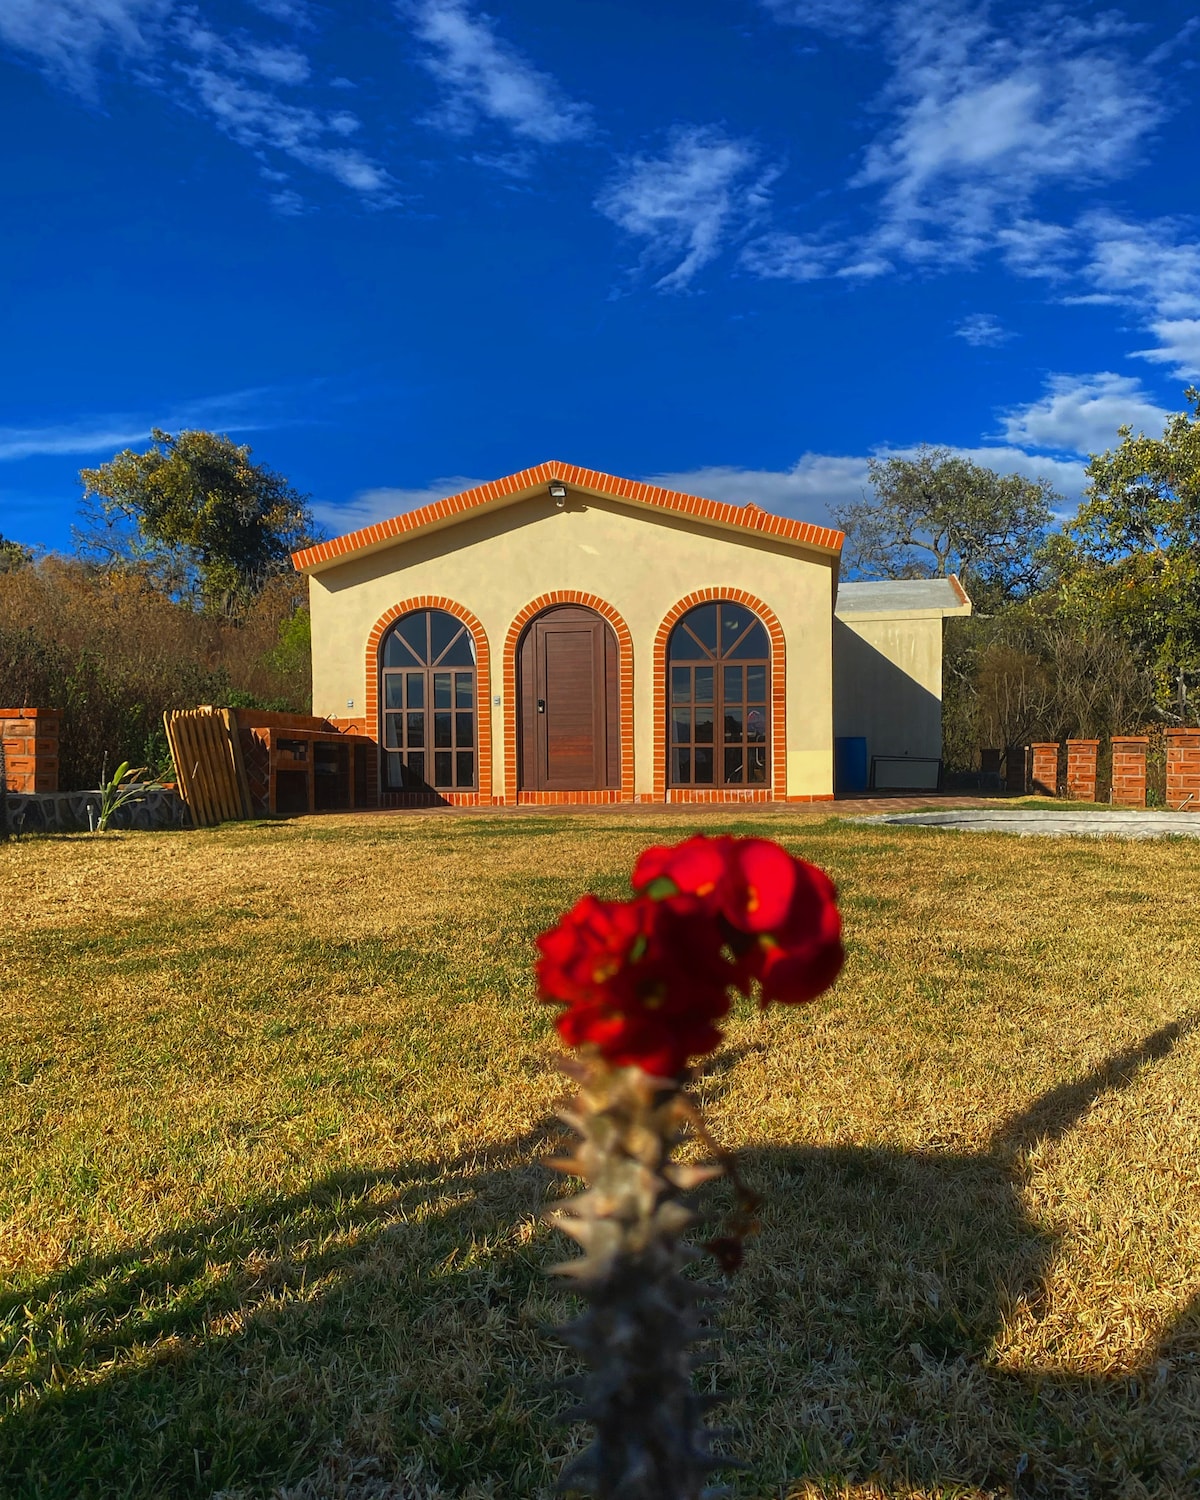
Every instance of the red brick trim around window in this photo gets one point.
(778, 789)
(482, 796)
(625, 658)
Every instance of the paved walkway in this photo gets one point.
(1124, 823)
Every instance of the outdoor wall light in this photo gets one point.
(559, 492)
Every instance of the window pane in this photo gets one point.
(756, 726)
(734, 620)
(391, 731)
(441, 690)
(416, 690)
(704, 766)
(681, 726)
(733, 684)
(758, 765)
(393, 686)
(733, 725)
(754, 644)
(681, 684)
(442, 763)
(704, 684)
(395, 770)
(702, 622)
(412, 631)
(684, 647)
(441, 731)
(734, 766)
(681, 766)
(756, 684)
(416, 731)
(416, 771)
(466, 768)
(704, 726)
(445, 628)
(396, 652)
(464, 730)
(464, 690)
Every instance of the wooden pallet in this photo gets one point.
(208, 764)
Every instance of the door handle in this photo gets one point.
(541, 705)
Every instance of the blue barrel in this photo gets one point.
(850, 763)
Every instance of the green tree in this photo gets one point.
(195, 509)
(1130, 560)
(13, 556)
(937, 513)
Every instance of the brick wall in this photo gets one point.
(1081, 769)
(1183, 769)
(1044, 771)
(1129, 770)
(31, 748)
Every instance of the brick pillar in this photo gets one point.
(1081, 769)
(31, 748)
(1183, 769)
(1129, 770)
(1044, 778)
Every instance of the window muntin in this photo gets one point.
(718, 663)
(428, 696)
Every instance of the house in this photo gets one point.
(565, 636)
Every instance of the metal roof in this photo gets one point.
(903, 596)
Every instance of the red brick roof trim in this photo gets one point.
(740, 517)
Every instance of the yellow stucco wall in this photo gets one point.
(640, 561)
(888, 682)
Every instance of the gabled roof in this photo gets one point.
(885, 598)
(519, 486)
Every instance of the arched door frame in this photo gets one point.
(625, 696)
(483, 690)
(777, 792)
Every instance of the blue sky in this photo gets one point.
(400, 246)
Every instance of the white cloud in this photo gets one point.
(982, 331)
(369, 507)
(847, 18)
(68, 37)
(260, 120)
(788, 257)
(295, 12)
(1081, 413)
(1152, 267)
(983, 119)
(688, 203)
(277, 64)
(485, 77)
(807, 491)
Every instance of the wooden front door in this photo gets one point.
(567, 687)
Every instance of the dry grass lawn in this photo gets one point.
(273, 1099)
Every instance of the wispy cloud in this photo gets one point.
(689, 203)
(1081, 413)
(234, 78)
(485, 78)
(370, 506)
(67, 38)
(252, 410)
(982, 331)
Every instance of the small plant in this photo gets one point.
(644, 984)
(123, 787)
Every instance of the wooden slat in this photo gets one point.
(182, 774)
(218, 765)
(206, 797)
(235, 744)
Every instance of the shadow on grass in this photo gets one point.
(399, 1314)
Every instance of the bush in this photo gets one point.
(112, 653)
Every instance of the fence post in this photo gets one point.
(1045, 769)
(1129, 770)
(1183, 769)
(1081, 769)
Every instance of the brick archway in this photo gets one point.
(625, 685)
(483, 690)
(778, 789)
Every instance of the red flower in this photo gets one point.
(783, 923)
(643, 981)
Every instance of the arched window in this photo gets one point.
(427, 663)
(719, 663)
